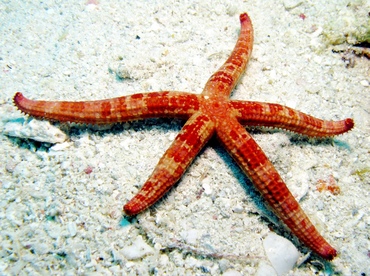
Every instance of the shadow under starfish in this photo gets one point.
(210, 113)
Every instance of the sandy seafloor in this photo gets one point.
(61, 204)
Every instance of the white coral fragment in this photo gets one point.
(41, 131)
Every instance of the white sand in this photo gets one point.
(57, 217)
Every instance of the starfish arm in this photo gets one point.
(268, 182)
(121, 109)
(223, 81)
(279, 116)
(191, 139)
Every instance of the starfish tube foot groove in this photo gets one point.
(210, 113)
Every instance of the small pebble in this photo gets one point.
(281, 252)
(72, 228)
(41, 131)
(291, 4)
(137, 250)
(364, 83)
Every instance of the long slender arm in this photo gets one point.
(121, 109)
(279, 116)
(223, 81)
(268, 182)
(191, 139)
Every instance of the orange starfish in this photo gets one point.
(207, 114)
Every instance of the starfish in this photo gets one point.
(207, 114)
